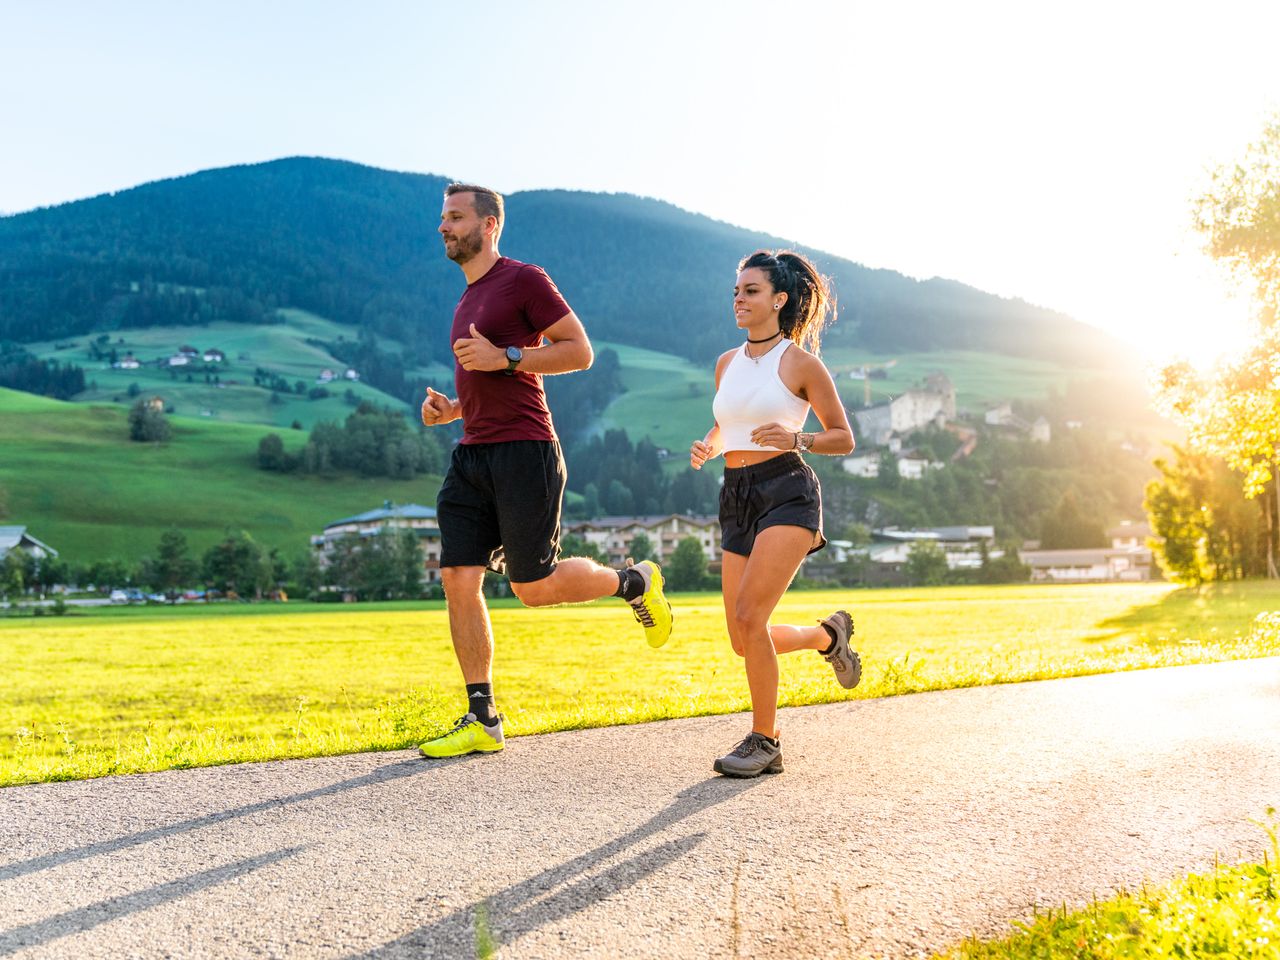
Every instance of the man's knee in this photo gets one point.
(461, 583)
(535, 593)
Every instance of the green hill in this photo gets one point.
(226, 390)
(358, 245)
(71, 474)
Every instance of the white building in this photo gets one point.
(865, 465)
(913, 410)
(613, 535)
(408, 516)
(1089, 565)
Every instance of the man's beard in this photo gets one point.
(465, 246)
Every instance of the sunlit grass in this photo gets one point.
(137, 689)
(1233, 912)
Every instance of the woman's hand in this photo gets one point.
(774, 435)
(700, 453)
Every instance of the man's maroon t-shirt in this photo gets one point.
(510, 305)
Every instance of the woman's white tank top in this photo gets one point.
(752, 394)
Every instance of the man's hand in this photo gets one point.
(477, 353)
(437, 409)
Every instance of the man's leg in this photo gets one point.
(469, 624)
(574, 580)
(480, 729)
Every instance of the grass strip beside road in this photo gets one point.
(135, 689)
(1233, 912)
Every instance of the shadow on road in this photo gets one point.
(381, 775)
(87, 917)
(566, 888)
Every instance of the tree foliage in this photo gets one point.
(926, 564)
(171, 567)
(147, 424)
(1069, 528)
(1205, 529)
(686, 568)
(1239, 217)
(386, 566)
(1232, 412)
(238, 564)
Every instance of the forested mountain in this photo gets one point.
(358, 245)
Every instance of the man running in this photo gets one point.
(500, 501)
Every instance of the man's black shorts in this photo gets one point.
(500, 505)
(781, 491)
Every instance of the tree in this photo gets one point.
(271, 452)
(12, 575)
(1204, 526)
(1233, 411)
(1239, 216)
(926, 564)
(641, 548)
(387, 566)
(236, 565)
(146, 424)
(687, 567)
(1067, 528)
(172, 567)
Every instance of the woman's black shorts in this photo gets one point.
(499, 507)
(781, 492)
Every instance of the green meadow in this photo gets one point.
(70, 473)
(133, 689)
(282, 348)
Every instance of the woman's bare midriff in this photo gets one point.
(749, 458)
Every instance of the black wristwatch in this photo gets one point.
(514, 356)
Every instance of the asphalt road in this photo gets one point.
(900, 826)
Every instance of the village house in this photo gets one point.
(1127, 559)
(407, 516)
(612, 536)
(890, 547)
(17, 538)
(214, 356)
(127, 362)
(190, 352)
(910, 464)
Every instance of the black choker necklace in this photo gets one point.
(766, 339)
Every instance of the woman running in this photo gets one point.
(771, 504)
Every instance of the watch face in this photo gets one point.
(514, 354)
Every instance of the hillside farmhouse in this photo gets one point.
(408, 516)
(913, 410)
(17, 538)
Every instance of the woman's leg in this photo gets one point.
(787, 638)
(753, 585)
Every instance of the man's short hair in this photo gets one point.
(488, 203)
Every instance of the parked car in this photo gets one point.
(119, 596)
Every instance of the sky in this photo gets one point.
(1047, 152)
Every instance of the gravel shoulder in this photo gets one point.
(900, 826)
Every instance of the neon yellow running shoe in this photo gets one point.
(468, 735)
(651, 609)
